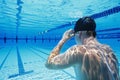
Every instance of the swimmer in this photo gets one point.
(91, 60)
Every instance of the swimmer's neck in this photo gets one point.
(86, 40)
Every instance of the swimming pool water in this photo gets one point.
(29, 30)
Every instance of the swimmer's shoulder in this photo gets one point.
(77, 51)
(105, 45)
(107, 48)
(81, 49)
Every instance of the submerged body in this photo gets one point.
(98, 62)
(91, 61)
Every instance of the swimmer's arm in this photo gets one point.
(57, 60)
(60, 61)
(55, 52)
(57, 49)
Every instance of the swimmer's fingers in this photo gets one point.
(68, 34)
(71, 32)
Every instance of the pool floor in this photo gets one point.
(28, 63)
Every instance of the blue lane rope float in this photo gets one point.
(107, 12)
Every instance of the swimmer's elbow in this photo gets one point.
(53, 66)
(49, 66)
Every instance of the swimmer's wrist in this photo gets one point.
(61, 42)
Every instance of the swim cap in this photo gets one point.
(85, 24)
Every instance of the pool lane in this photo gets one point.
(4, 58)
(29, 57)
(45, 53)
(3, 54)
(9, 64)
(37, 62)
(20, 66)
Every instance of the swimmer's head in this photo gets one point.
(85, 25)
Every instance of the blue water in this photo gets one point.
(29, 30)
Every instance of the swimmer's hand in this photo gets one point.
(68, 34)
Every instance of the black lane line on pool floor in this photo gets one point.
(45, 59)
(38, 54)
(20, 66)
(5, 58)
(40, 51)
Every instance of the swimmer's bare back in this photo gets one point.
(96, 61)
